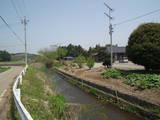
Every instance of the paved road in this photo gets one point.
(6, 80)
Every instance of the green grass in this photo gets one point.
(57, 64)
(40, 101)
(2, 69)
(13, 63)
(111, 73)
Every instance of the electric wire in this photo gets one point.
(15, 8)
(138, 17)
(9, 27)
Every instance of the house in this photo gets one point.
(119, 53)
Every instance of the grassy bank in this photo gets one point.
(39, 99)
(2, 69)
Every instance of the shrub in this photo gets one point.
(144, 46)
(107, 62)
(58, 64)
(80, 60)
(48, 63)
(111, 73)
(143, 80)
(90, 62)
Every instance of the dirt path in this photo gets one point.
(6, 79)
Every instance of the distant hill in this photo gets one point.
(21, 57)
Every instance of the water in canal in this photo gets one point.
(92, 109)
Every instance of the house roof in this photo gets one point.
(116, 49)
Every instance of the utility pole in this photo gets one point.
(24, 22)
(110, 29)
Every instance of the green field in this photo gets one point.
(2, 69)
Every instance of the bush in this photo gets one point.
(144, 46)
(107, 62)
(111, 73)
(143, 80)
(80, 60)
(58, 64)
(48, 63)
(90, 62)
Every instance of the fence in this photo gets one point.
(24, 114)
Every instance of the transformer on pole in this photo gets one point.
(110, 30)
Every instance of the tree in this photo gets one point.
(144, 46)
(75, 51)
(61, 52)
(47, 57)
(80, 60)
(5, 56)
(90, 62)
(107, 60)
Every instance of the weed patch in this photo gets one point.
(111, 73)
(41, 104)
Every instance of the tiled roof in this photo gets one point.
(117, 49)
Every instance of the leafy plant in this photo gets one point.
(143, 80)
(90, 62)
(111, 73)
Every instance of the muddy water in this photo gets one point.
(92, 109)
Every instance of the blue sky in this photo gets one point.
(71, 21)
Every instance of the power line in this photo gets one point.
(12, 24)
(138, 17)
(14, 7)
(9, 27)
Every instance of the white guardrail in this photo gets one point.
(24, 114)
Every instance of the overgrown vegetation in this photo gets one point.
(111, 73)
(39, 99)
(90, 62)
(80, 60)
(2, 69)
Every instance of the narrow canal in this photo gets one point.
(92, 109)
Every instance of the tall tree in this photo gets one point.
(144, 46)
